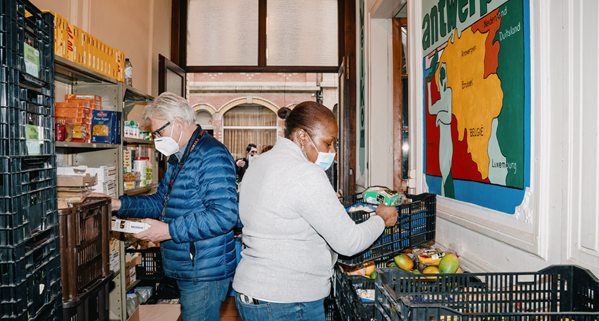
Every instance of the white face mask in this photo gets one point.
(167, 145)
(324, 160)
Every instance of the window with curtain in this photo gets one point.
(244, 125)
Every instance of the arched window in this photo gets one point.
(205, 120)
(245, 125)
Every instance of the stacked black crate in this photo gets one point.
(30, 287)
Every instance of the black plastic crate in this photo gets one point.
(13, 304)
(351, 306)
(12, 254)
(41, 249)
(13, 272)
(9, 95)
(91, 305)
(14, 236)
(35, 208)
(26, 26)
(34, 296)
(558, 292)
(415, 226)
(331, 312)
(151, 264)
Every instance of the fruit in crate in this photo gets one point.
(431, 270)
(449, 264)
(404, 262)
(363, 270)
(373, 275)
(416, 271)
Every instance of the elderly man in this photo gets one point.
(194, 210)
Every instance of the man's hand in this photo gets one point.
(158, 231)
(388, 213)
(240, 163)
(116, 203)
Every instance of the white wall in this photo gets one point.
(558, 222)
(139, 28)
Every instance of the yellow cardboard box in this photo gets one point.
(77, 45)
(70, 43)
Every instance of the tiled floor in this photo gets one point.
(228, 311)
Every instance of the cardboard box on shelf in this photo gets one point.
(70, 43)
(157, 312)
(79, 180)
(113, 255)
(96, 98)
(131, 260)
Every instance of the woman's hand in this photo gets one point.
(388, 213)
(157, 232)
(115, 204)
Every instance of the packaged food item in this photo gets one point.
(378, 195)
(60, 131)
(106, 127)
(126, 226)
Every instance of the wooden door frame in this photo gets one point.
(398, 183)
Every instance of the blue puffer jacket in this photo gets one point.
(202, 210)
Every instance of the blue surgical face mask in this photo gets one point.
(324, 160)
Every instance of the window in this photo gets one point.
(245, 125)
(250, 35)
(205, 120)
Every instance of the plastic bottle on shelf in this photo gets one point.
(128, 72)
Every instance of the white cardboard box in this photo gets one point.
(105, 173)
(126, 226)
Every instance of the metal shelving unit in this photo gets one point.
(85, 145)
(116, 96)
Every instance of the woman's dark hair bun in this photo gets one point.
(284, 113)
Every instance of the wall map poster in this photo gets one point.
(476, 101)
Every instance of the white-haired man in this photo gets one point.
(194, 210)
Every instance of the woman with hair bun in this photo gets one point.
(294, 224)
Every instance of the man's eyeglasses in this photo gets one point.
(157, 133)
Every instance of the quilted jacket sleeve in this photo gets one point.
(148, 206)
(216, 177)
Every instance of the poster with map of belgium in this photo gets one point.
(475, 108)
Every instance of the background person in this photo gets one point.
(290, 216)
(193, 211)
(242, 164)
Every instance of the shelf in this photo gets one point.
(138, 141)
(139, 190)
(132, 285)
(85, 145)
(135, 94)
(67, 71)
